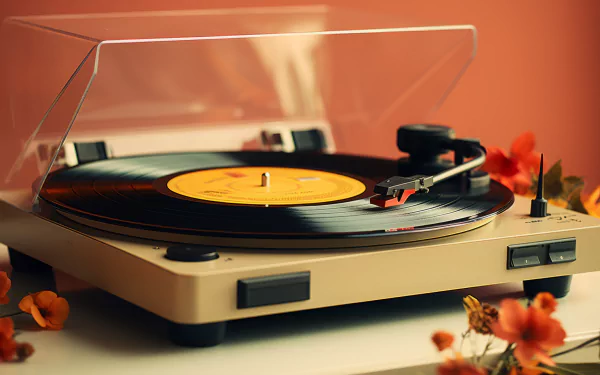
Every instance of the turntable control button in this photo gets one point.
(562, 251)
(527, 255)
(528, 261)
(273, 290)
(191, 253)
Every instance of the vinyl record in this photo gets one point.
(308, 200)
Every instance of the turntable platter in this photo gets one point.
(194, 196)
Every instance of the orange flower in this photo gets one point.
(5, 285)
(7, 328)
(48, 310)
(533, 331)
(8, 349)
(480, 316)
(545, 302)
(514, 170)
(591, 204)
(442, 340)
(459, 366)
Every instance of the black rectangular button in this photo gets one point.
(527, 261)
(526, 255)
(563, 245)
(272, 290)
(562, 251)
(562, 257)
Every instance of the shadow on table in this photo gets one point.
(103, 320)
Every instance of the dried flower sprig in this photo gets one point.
(531, 333)
(481, 316)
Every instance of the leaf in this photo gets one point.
(574, 180)
(575, 368)
(553, 185)
(575, 203)
(570, 184)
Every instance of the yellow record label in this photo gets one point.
(265, 186)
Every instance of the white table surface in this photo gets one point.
(107, 335)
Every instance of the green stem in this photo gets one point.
(474, 349)
(499, 366)
(507, 350)
(485, 350)
(500, 363)
(462, 340)
(13, 314)
(583, 344)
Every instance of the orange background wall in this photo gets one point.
(537, 68)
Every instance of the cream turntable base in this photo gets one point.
(199, 275)
(295, 222)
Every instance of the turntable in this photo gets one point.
(222, 165)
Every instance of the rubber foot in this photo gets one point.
(557, 286)
(197, 335)
(24, 263)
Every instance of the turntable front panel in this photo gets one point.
(136, 270)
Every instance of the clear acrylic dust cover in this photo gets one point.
(214, 80)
